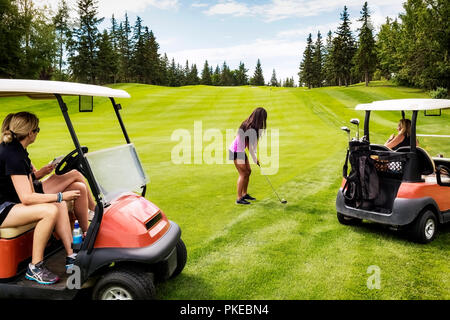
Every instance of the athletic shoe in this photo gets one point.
(248, 197)
(70, 261)
(242, 201)
(41, 274)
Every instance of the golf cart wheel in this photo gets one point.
(348, 221)
(424, 229)
(124, 285)
(181, 258)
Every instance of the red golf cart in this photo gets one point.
(130, 243)
(406, 188)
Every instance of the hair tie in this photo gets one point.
(13, 133)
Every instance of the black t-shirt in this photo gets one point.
(14, 160)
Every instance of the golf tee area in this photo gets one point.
(266, 250)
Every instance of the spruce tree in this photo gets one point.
(206, 75)
(107, 57)
(306, 74)
(61, 23)
(329, 72)
(273, 80)
(241, 75)
(258, 77)
(83, 59)
(317, 62)
(343, 50)
(366, 56)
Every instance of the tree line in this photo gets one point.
(411, 50)
(34, 44)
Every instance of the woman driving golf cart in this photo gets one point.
(402, 139)
(21, 205)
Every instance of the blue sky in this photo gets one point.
(233, 30)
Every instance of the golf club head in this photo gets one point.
(355, 121)
(283, 201)
(346, 129)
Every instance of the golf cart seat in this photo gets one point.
(379, 147)
(11, 233)
(426, 163)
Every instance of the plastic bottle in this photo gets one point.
(77, 234)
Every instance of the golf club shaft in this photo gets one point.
(273, 188)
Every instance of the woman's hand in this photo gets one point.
(71, 195)
(45, 170)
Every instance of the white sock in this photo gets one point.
(73, 256)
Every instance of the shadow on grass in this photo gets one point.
(189, 285)
(389, 233)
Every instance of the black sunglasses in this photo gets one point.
(37, 130)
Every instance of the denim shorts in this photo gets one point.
(5, 207)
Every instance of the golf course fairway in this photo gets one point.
(266, 250)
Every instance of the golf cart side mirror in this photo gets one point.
(86, 104)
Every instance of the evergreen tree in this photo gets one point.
(83, 59)
(306, 74)
(164, 70)
(107, 66)
(154, 73)
(61, 23)
(193, 76)
(329, 73)
(273, 80)
(226, 78)
(343, 50)
(387, 54)
(10, 39)
(317, 62)
(241, 75)
(125, 49)
(138, 57)
(206, 75)
(366, 56)
(258, 77)
(216, 77)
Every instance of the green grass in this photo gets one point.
(267, 250)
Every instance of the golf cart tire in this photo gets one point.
(418, 229)
(139, 286)
(348, 221)
(181, 258)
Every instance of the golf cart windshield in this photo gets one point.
(117, 170)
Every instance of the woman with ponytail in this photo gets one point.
(21, 205)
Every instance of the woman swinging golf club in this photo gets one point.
(247, 137)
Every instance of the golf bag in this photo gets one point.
(362, 185)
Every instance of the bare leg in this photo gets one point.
(72, 180)
(44, 214)
(247, 178)
(55, 184)
(242, 170)
(62, 227)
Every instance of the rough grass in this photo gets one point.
(267, 250)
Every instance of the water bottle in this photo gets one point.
(77, 234)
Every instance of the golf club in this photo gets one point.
(356, 121)
(283, 201)
(346, 129)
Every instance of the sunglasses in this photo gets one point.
(37, 130)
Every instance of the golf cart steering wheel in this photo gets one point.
(70, 162)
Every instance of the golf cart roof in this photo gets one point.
(43, 89)
(405, 105)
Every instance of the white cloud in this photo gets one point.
(282, 9)
(107, 8)
(229, 7)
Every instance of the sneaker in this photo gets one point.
(70, 261)
(242, 201)
(41, 274)
(248, 197)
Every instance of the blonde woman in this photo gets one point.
(70, 181)
(21, 205)
(402, 139)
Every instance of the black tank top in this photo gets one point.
(405, 143)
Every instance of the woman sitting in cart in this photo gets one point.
(21, 205)
(403, 138)
(72, 180)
